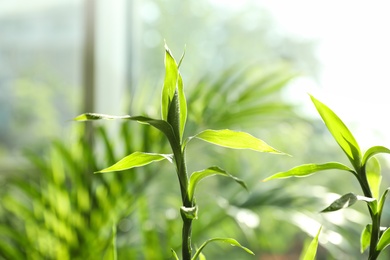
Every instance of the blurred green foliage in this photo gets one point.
(60, 210)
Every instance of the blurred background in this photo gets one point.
(248, 66)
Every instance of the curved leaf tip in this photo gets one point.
(308, 169)
(196, 177)
(340, 133)
(136, 159)
(230, 241)
(96, 116)
(236, 140)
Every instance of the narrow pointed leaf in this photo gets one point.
(340, 132)
(311, 250)
(308, 169)
(182, 99)
(174, 255)
(384, 241)
(196, 177)
(382, 201)
(365, 238)
(373, 151)
(182, 105)
(170, 81)
(136, 159)
(230, 241)
(235, 140)
(161, 125)
(95, 116)
(346, 201)
(374, 177)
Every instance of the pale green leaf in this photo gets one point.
(340, 132)
(182, 105)
(372, 151)
(170, 81)
(346, 201)
(174, 255)
(235, 140)
(384, 240)
(310, 252)
(136, 159)
(308, 169)
(196, 177)
(230, 241)
(374, 177)
(365, 238)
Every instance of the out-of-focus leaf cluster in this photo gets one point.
(60, 209)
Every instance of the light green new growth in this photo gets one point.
(172, 125)
(367, 171)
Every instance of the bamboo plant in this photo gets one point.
(367, 171)
(172, 125)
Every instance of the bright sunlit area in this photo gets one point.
(199, 121)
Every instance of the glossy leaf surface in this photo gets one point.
(365, 238)
(374, 177)
(230, 241)
(170, 81)
(308, 169)
(235, 140)
(196, 177)
(340, 132)
(136, 159)
(372, 151)
(182, 105)
(384, 241)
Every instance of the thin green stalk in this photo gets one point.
(114, 252)
(373, 253)
(375, 217)
(181, 169)
(186, 238)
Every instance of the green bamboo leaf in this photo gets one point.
(365, 238)
(136, 159)
(174, 255)
(170, 81)
(311, 250)
(161, 125)
(230, 241)
(196, 177)
(384, 241)
(235, 140)
(346, 201)
(340, 132)
(382, 201)
(182, 105)
(95, 116)
(372, 151)
(374, 177)
(308, 169)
